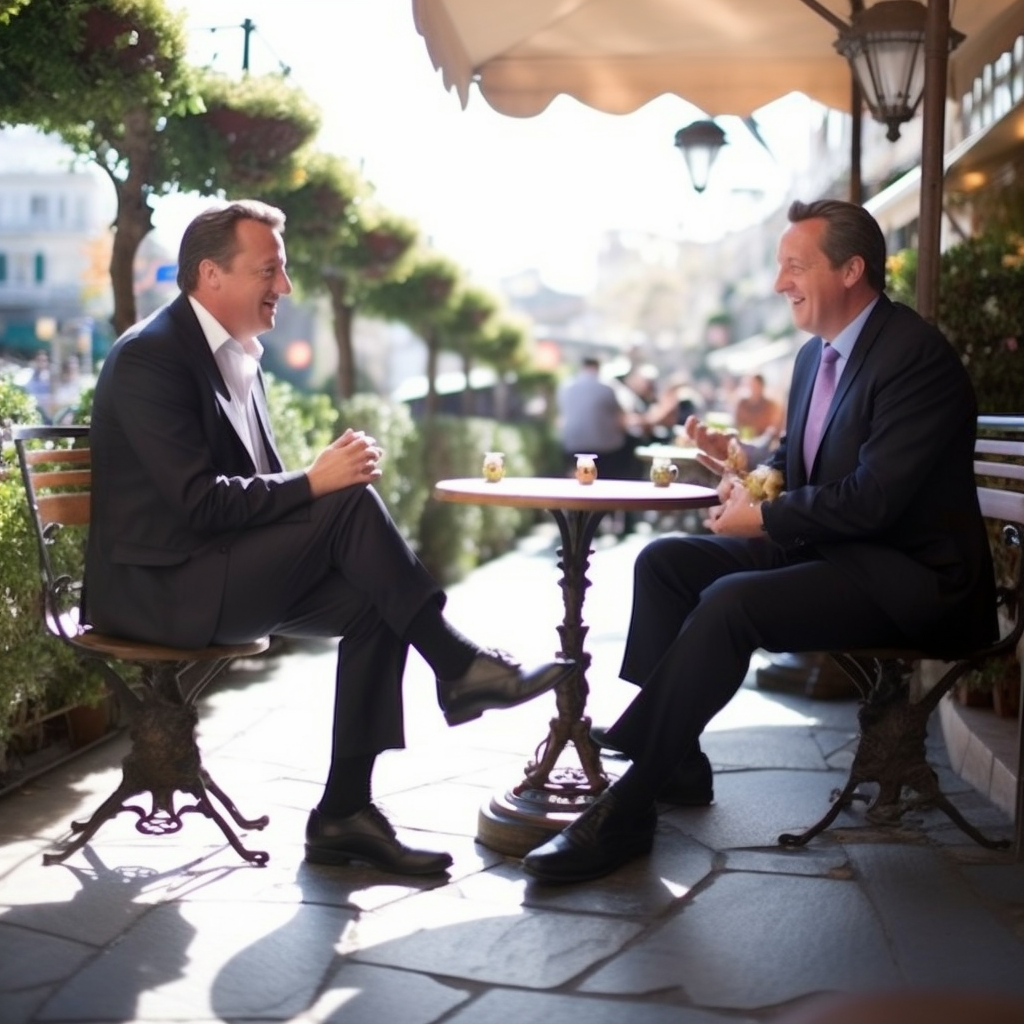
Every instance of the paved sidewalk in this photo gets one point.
(719, 924)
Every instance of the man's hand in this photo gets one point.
(737, 516)
(713, 445)
(354, 458)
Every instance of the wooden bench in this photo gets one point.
(164, 760)
(893, 725)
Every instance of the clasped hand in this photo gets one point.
(354, 458)
(737, 515)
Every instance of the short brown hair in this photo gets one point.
(211, 236)
(849, 231)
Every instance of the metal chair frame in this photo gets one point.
(164, 760)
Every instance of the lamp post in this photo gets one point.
(885, 47)
(699, 143)
(902, 27)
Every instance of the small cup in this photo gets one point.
(586, 468)
(663, 472)
(494, 466)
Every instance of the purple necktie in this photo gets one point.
(821, 398)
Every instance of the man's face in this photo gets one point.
(817, 292)
(243, 296)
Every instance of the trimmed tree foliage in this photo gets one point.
(110, 77)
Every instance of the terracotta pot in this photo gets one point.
(972, 697)
(1006, 698)
(87, 724)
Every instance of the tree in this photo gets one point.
(420, 296)
(111, 79)
(340, 241)
(464, 330)
(506, 349)
(9, 8)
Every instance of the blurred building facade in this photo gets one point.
(55, 222)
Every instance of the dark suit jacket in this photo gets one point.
(172, 484)
(891, 497)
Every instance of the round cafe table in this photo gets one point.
(548, 797)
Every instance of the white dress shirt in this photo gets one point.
(239, 363)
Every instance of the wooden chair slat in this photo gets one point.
(43, 456)
(1007, 506)
(69, 509)
(50, 478)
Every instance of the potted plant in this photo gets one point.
(40, 678)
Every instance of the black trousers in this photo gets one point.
(345, 572)
(701, 606)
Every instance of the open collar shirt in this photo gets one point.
(239, 364)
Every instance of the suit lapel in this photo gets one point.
(862, 347)
(800, 400)
(802, 388)
(194, 341)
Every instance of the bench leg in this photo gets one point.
(891, 752)
(840, 800)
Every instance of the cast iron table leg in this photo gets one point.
(549, 797)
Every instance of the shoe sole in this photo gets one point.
(338, 858)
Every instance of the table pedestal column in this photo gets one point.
(550, 796)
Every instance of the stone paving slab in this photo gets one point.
(207, 961)
(742, 943)
(362, 994)
(491, 943)
(504, 1005)
(643, 889)
(752, 808)
(938, 931)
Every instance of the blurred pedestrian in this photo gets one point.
(756, 415)
(591, 419)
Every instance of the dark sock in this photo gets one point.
(348, 786)
(443, 647)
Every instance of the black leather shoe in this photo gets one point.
(369, 837)
(494, 680)
(690, 784)
(604, 837)
(599, 734)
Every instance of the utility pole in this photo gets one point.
(248, 27)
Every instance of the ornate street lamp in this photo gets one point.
(885, 48)
(699, 143)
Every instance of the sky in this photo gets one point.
(499, 195)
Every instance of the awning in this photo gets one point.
(724, 56)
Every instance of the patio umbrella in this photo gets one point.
(724, 56)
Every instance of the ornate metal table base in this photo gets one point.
(550, 796)
(522, 818)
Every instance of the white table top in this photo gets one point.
(569, 494)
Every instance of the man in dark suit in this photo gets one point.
(877, 539)
(199, 536)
